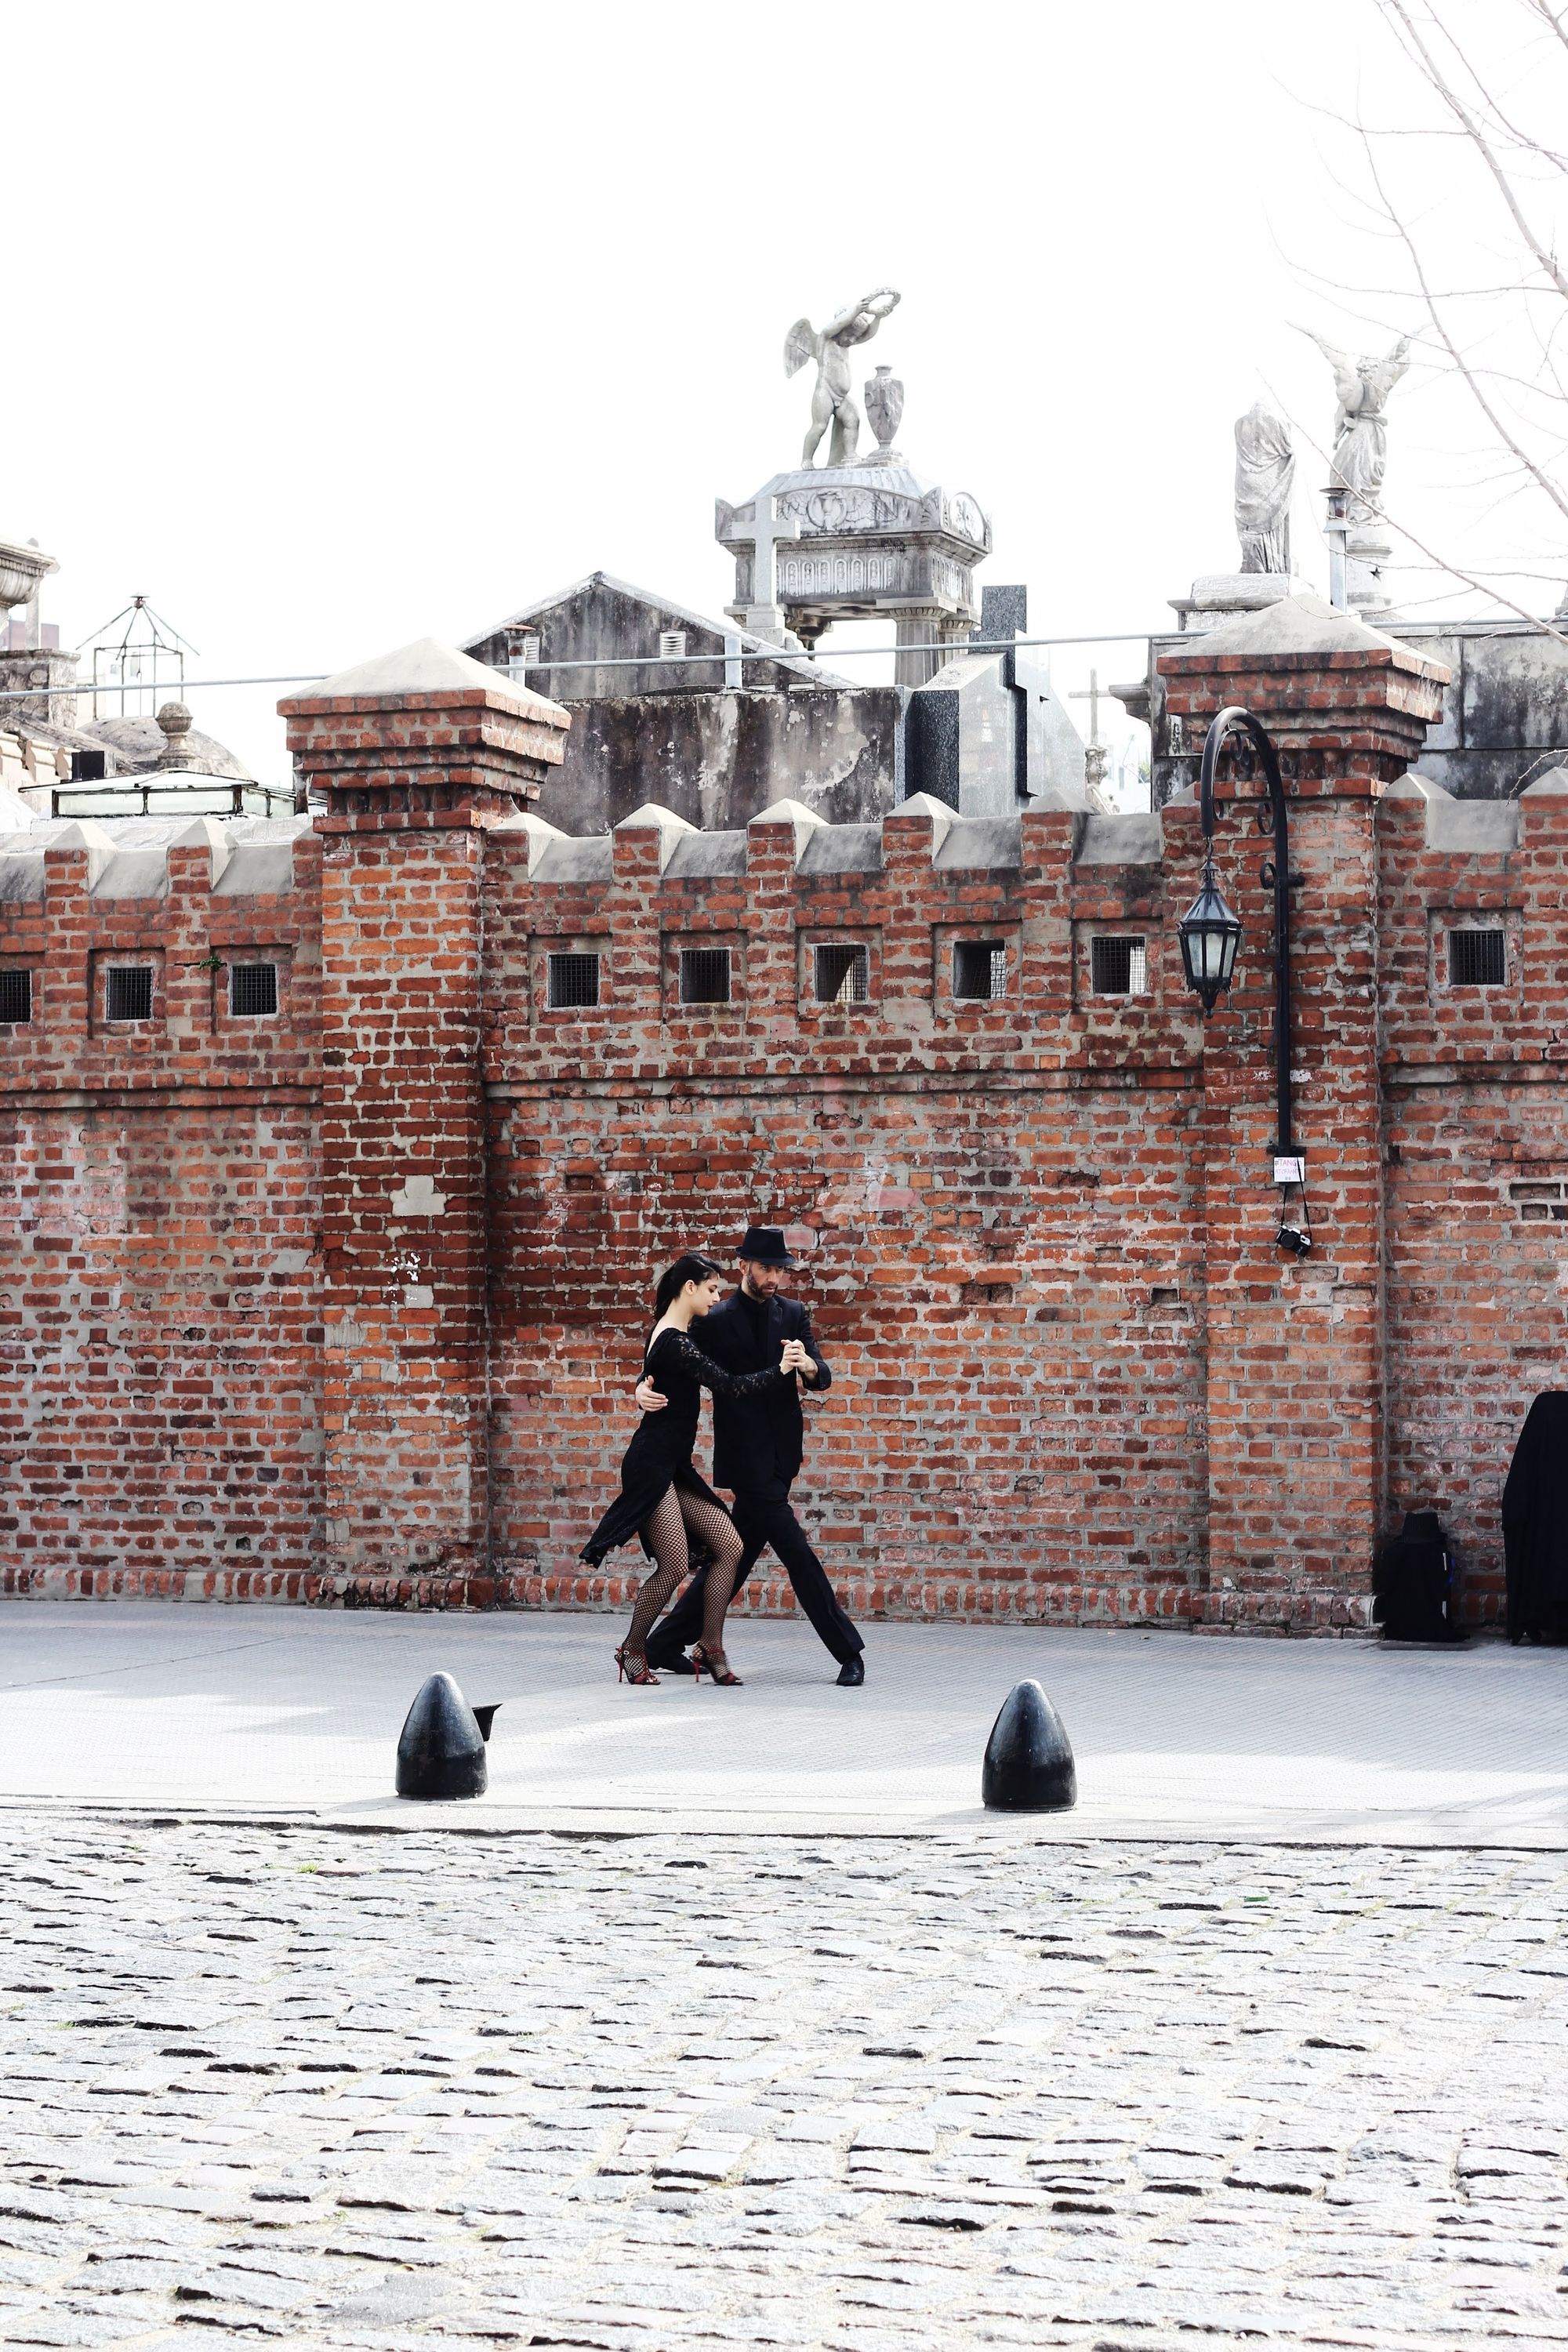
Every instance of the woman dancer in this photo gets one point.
(662, 1498)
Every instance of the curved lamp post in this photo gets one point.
(1210, 930)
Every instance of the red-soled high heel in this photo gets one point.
(704, 1661)
(632, 1668)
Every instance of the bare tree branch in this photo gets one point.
(1440, 562)
(1537, 8)
(1523, 139)
(1547, 260)
(1462, 366)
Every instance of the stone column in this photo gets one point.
(929, 625)
(417, 756)
(1295, 1348)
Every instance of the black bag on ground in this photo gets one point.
(1416, 1585)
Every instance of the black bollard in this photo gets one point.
(1028, 1765)
(440, 1752)
(485, 1715)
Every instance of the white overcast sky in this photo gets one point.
(335, 325)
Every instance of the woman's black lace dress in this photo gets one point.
(659, 1455)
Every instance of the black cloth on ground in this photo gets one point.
(1535, 1523)
(659, 1455)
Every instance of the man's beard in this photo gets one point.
(754, 1291)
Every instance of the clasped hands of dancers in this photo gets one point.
(756, 1351)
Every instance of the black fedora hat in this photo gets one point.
(765, 1245)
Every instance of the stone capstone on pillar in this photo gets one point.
(425, 734)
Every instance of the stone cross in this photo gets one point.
(1091, 695)
(1095, 759)
(768, 527)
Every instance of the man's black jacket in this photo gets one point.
(757, 1441)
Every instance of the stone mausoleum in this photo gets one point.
(340, 1147)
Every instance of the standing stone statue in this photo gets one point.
(830, 401)
(1265, 479)
(1361, 428)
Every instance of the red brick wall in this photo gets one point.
(1074, 1377)
(1295, 1350)
(1475, 1166)
(992, 1202)
(159, 1246)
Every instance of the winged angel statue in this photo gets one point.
(1361, 428)
(830, 401)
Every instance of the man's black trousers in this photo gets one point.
(762, 1519)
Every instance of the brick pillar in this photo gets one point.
(417, 757)
(1295, 1364)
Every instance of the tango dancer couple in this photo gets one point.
(752, 1351)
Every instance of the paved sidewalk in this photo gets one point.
(293, 1712)
(729, 2019)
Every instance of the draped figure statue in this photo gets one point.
(1265, 479)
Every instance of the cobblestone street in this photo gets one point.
(342, 2089)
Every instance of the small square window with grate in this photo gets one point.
(252, 990)
(16, 995)
(705, 975)
(1117, 967)
(128, 992)
(574, 982)
(671, 645)
(843, 975)
(1477, 960)
(979, 970)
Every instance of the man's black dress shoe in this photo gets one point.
(852, 1673)
(678, 1664)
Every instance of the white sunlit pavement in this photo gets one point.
(144, 1703)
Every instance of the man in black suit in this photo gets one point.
(757, 1447)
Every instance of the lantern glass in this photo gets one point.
(1210, 934)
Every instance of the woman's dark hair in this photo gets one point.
(691, 1266)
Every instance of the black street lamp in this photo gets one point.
(1210, 930)
(1210, 934)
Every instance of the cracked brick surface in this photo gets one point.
(298, 2085)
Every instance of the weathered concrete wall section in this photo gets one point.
(717, 759)
(713, 748)
(1505, 711)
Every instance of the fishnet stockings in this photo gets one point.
(666, 1528)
